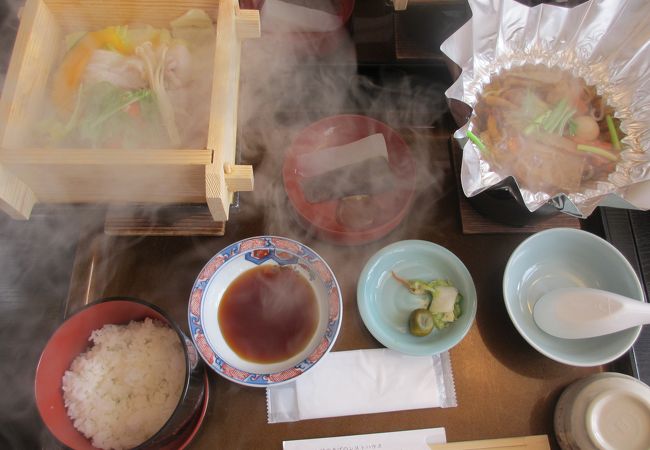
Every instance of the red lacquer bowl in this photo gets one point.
(322, 217)
(71, 339)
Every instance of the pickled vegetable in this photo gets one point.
(441, 308)
(421, 322)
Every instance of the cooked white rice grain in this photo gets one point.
(122, 390)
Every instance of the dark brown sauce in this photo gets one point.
(268, 314)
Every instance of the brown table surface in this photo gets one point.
(504, 387)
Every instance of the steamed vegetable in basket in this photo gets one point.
(133, 87)
(547, 128)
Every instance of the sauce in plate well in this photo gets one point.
(268, 314)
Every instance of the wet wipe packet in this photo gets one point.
(362, 382)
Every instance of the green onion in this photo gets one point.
(539, 121)
(597, 151)
(556, 116)
(553, 120)
(566, 118)
(560, 115)
(475, 139)
(612, 133)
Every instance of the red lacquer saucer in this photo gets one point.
(187, 436)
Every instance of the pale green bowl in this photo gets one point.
(564, 257)
(385, 305)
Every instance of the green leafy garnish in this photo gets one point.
(105, 115)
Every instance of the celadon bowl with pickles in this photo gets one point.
(386, 304)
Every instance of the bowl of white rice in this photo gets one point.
(119, 374)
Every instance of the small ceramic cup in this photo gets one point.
(605, 411)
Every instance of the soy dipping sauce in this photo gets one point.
(268, 314)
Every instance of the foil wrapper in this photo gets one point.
(604, 42)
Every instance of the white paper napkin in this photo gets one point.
(362, 382)
(298, 18)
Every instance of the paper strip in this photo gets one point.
(397, 440)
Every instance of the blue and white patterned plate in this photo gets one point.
(223, 269)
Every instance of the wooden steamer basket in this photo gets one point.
(184, 176)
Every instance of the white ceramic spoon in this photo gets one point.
(577, 313)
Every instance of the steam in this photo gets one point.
(20, 344)
(150, 90)
(34, 288)
(290, 80)
(278, 302)
(186, 68)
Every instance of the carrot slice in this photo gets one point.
(68, 75)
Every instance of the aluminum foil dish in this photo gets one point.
(559, 102)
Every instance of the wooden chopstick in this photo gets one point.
(539, 442)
